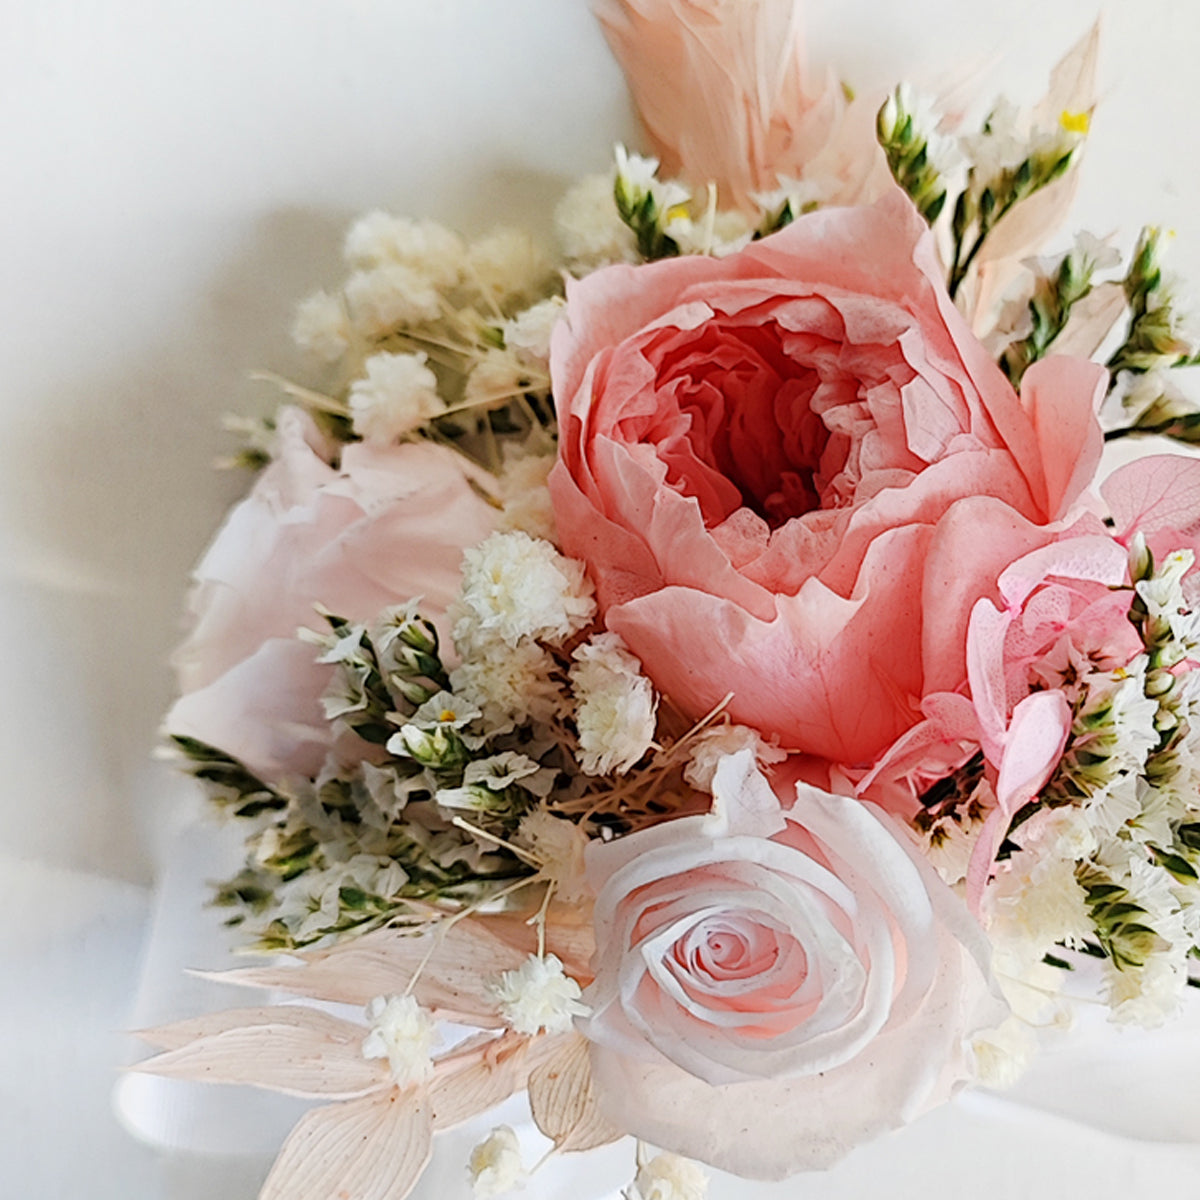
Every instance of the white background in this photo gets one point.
(174, 176)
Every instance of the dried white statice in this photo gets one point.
(515, 587)
(539, 995)
(495, 1164)
(404, 1033)
(397, 395)
(321, 327)
(389, 297)
(429, 248)
(615, 706)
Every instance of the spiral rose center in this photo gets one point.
(738, 422)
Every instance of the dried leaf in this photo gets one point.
(369, 1149)
(563, 1100)
(455, 967)
(298, 1051)
(485, 1076)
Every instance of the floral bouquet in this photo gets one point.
(703, 682)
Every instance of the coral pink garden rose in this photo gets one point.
(774, 988)
(386, 525)
(793, 471)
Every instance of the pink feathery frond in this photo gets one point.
(723, 90)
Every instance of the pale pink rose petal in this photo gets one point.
(1097, 559)
(369, 1149)
(298, 1051)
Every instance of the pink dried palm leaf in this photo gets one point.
(562, 1098)
(723, 89)
(286, 1048)
(374, 1148)
(452, 962)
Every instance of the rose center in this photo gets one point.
(738, 423)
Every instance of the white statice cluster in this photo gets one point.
(943, 153)
(398, 394)
(508, 268)
(404, 1033)
(615, 706)
(322, 328)
(528, 333)
(379, 239)
(668, 1177)
(495, 1164)
(539, 995)
(1006, 141)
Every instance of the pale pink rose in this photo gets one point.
(793, 471)
(387, 524)
(776, 987)
(725, 96)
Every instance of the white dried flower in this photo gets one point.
(716, 742)
(495, 1164)
(1035, 901)
(615, 706)
(509, 683)
(590, 229)
(528, 333)
(640, 176)
(508, 267)
(444, 710)
(499, 771)
(558, 846)
(496, 378)
(1002, 1055)
(539, 995)
(430, 249)
(389, 297)
(404, 1033)
(515, 587)
(522, 489)
(397, 395)
(321, 328)
(668, 1177)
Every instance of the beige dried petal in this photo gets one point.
(298, 1051)
(369, 1149)
(563, 1100)
(1091, 321)
(491, 1071)
(1072, 82)
(454, 966)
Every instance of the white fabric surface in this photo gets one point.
(177, 175)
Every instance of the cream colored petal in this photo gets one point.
(369, 1149)
(298, 1051)
(563, 1100)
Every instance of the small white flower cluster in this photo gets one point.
(716, 742)
(539, 995)
(942, 152)
(398, 394)
(668, 1177)
(615, 706)
(404, 1033)
(557, 847)
(495, 1164)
